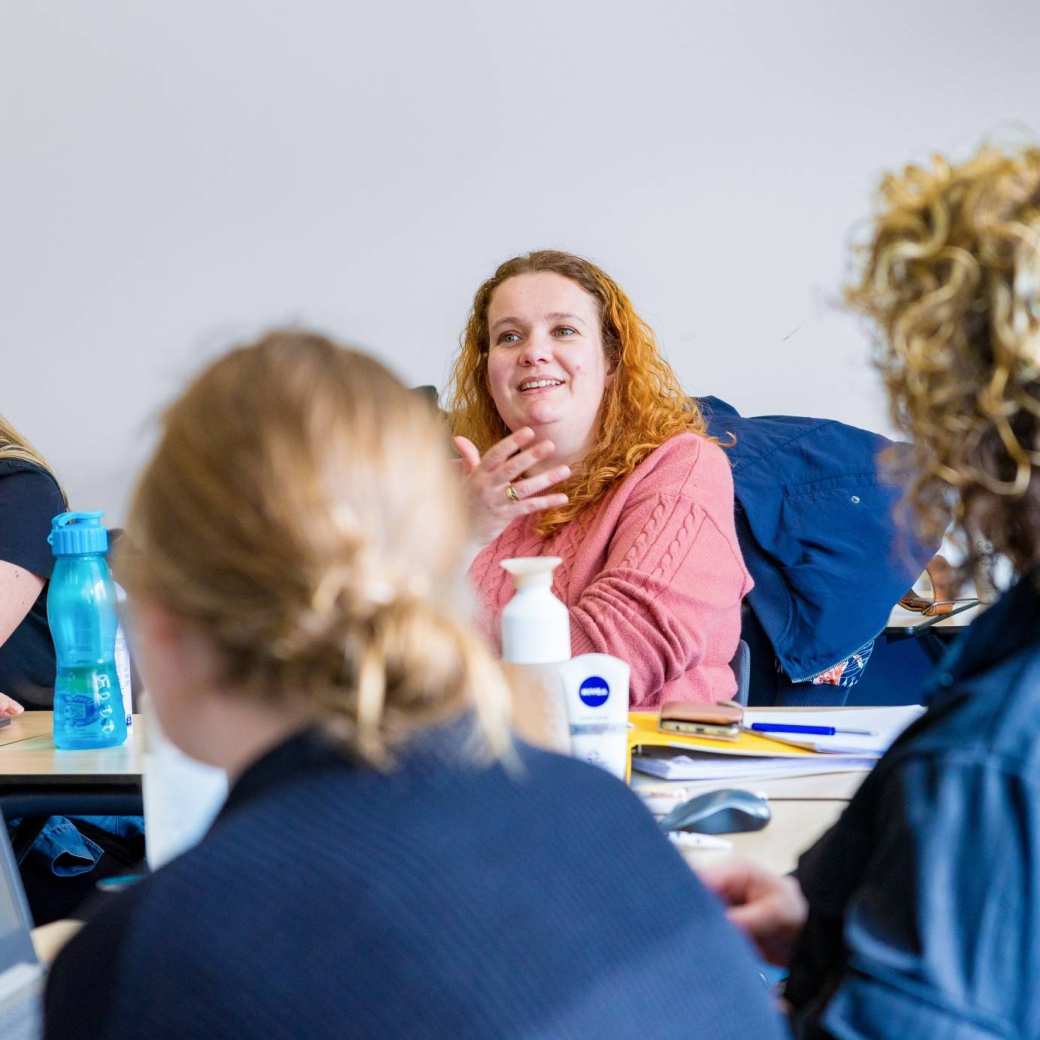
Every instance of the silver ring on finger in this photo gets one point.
(512, 494)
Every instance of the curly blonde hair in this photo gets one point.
(643, 405)
(951, 280)
(302, 510)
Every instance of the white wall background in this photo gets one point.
(175, 175)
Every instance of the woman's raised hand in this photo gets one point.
(497, 494)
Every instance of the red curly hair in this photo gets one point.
(642, 406)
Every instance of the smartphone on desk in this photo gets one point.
(718, 721)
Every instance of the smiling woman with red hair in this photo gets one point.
(579, 442)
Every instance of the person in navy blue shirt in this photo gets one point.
(918, 914)
(389, 861)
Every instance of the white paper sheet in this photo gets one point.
(885, 724)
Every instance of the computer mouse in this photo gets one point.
(728, 811)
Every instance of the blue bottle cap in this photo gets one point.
(78, 534)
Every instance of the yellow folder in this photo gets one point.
(644, 732)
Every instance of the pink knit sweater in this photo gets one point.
(652, 574)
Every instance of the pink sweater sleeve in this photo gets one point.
(674, 576)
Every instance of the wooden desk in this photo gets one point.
(30, 764)
(794, 827)
(803, 808)
(28, 755)
(36, 777)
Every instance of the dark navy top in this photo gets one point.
(29, 498)
(925, 896)
(440, 900)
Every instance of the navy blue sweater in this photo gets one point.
(441, 900)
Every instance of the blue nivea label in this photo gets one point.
(594, 691)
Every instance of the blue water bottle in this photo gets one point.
(81, 610)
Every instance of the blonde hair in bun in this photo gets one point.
(302, 510)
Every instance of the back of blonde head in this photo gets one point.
(302, 511)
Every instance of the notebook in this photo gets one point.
(670, 764)
(21, 974)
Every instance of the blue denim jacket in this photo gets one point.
(816, 527)
(925, 896)
(67, 852)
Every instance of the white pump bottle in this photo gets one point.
(583, 710)
(536, 633)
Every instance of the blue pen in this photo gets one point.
(816, 731)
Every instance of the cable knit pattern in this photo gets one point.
(652, 574)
